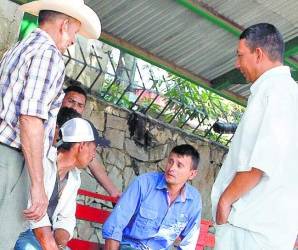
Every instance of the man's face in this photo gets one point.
(86, 153)
(68, 30)
(75, 101)
(246, 61)
(179, 170)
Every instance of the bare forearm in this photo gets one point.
(241, 184)
(62, 237)
(112, 244)
(101, 176)
(31, 135)
(45, 237)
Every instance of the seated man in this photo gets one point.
(158, 208)
(76, 148)
(76, 98)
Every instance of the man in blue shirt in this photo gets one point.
(158, 208)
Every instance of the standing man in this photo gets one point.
(75, 98)
(158, 208)
(254, 197)
(31, 78)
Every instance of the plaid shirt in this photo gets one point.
(31, 78)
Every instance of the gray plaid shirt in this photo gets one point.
(31, 78)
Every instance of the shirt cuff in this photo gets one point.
(44, 222)
(35, 108)
(112, 233)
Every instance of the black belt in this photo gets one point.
(15, 149)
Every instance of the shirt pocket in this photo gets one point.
(146, 219)
(176, 224)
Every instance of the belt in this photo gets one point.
(15, 149)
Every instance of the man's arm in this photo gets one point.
(242, 183)
(111, 244)
(101, 176)
(32, 135)
(61, 237)
(123, 211)
(45, 237)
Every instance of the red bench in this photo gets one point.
(206, 239)
(99, 215)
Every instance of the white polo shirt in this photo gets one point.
(64, 214)
(267, 139)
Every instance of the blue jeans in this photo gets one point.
(27, 241)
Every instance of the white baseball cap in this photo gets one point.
(80, 130)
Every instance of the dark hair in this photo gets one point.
(75, 88)
(63, 116)
(186, 149)
(65, 145)
(267, 37)
(49, 15)
(66, 114)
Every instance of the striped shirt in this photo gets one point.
(31, 78)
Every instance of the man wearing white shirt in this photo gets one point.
(75, 150)
(254, 197)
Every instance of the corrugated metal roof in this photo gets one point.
(178, 35)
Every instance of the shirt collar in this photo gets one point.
(47, 36)
(184, 194)
(269, 73)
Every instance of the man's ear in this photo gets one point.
(81, 146)
(259, 54)
(193, 174)
(64, 25)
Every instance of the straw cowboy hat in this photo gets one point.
(90, 24)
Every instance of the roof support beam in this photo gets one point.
(234, 76)
(21, 1)
(227, 79)
(213, 17)
(291, 47)
(169, 67)
(149, 57)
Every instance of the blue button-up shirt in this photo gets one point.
(144, 218)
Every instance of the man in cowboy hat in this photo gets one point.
(31, 77)
(76, 148)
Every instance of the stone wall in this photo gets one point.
(125, 159)
(10, 18)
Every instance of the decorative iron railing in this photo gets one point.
(144, 92)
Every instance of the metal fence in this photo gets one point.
(143, 91)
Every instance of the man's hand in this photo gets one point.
(45, 237)
(39, 204)
(32, 140)
(101, 176)
(61, 237)
(241, 184)
(111, 244)
(222, 212)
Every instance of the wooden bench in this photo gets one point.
(99, 215)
